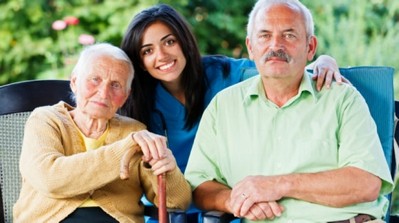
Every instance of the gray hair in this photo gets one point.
(263, 4)
(92, 52)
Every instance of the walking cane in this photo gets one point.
(124, 174)
(162, 213)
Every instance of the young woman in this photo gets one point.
(174, 84)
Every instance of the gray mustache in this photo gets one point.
(279, 54)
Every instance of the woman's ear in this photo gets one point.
(72, 83)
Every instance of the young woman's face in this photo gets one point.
(161, 54)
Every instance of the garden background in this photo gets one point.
(356, 32)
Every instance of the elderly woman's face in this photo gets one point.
(103, 89)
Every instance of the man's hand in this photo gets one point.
(260, 211)
(255, 198)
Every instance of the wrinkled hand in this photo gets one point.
(262, 211)
(124, 165)
(325, 68)
(152, 146)
(166, 164)
(255, 198)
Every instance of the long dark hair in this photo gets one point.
(142, 100)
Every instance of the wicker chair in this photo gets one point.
(17, 100)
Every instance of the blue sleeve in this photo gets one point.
(222, 72)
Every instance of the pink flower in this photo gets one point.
(59, 25)
(71, 20)
(86, 39)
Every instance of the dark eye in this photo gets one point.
(95, 79)
(265, 36)
(116, 85)
(289, 36)
(170, 42)
(146, 51)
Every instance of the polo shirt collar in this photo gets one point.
(255, 89)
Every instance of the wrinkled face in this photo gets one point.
(161, 54)
(103, 89)
(279, 44)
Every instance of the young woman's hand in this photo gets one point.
(325, 70)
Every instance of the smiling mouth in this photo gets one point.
(167, 66)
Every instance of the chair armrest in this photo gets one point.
(177, 215)
(174, 215)
(217, 217)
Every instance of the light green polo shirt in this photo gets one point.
(243, 133)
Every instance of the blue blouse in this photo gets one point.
(168, 118)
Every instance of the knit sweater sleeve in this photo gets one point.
(54, 161)
(178, 191)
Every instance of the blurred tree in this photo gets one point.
(31, 49)
(354, 32)
(220, 25)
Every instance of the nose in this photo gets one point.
(103, 90)
(162, 53)
(276, 42)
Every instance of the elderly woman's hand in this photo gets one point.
(155, 152)
(152, 145)
(166, 164)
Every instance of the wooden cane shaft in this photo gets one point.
(162, 213)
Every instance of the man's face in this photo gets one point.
(278, 43)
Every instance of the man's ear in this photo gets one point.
(312, 46)
(249, 47)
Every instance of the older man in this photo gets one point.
(274, 148)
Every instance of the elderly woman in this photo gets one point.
(70, 161)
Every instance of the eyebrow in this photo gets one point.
(163, 38)
(284, 31)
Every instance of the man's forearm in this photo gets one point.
(212, 195)
(336, 188)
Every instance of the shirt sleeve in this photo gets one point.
(202, 165)
(359, 144)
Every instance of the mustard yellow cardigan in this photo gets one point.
(58, 174)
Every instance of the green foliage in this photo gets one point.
(220, 25)
(31, 49)
(358, 32)
(354, 32)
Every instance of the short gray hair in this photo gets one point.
(263, 4)
(90, 53)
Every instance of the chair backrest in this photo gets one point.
(397, 125)
(375, 83)
(17, 100)
(26, 95)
